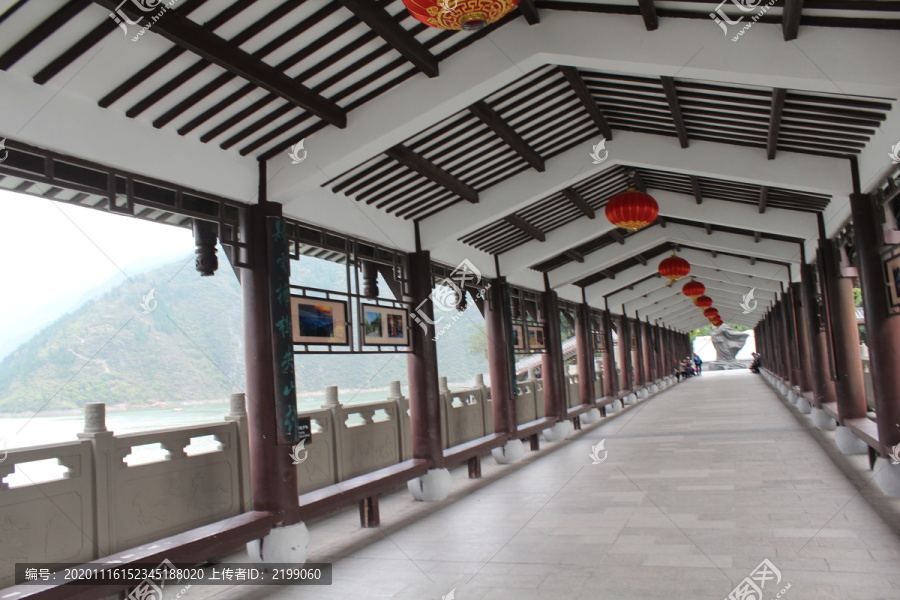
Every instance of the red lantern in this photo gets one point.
(631, 210)
(711, 312)
(468, 15)
(674, 268)
(693, 289)
(703, 301)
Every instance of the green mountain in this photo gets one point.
(189, 347)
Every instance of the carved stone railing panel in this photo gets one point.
(526, 404)
(463, 413)
(363, 449)
(159, 499)
(319, 469)
(51, 521)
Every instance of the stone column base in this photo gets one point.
(803, 405)
(283, 545)
(512, 451)
(559, 431)
(590, 417)
(432, 486)
(888, 480)
(849, 443)
(822, 420)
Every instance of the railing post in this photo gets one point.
(104, 456)
(237, 414)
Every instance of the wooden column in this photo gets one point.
(788, 337)
(882, 328)
(805, 367)
(637, 354)
(497, 320)
(625, 381)
(422, 368)
(584, 353)
(850, 385)
(552, 361)
(273, 475)
(646, 355)
(610, 376)
(822, 385)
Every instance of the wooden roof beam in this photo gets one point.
(614, 234)
(381, 22)
(499, 126)
(608, 274)
(579, 202)
(790, 19)
(184, 33)
(778, 95)
(44, 30)
(525, 227)
(708, 228)
(429, 170)
(575, 255)
(695, 186)
(529, 11)
(668, 84)
(640, 258)
(763, 198)
(587, 99)
(648, 11)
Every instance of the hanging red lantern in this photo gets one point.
(711, 312)
(693, 288)
(632, 210)
(703, 301)
(674, 268)
(467, 15)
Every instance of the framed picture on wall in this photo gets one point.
(383, 326)
(319, 321)
(518, 337)
(536, 338)
(892, 268)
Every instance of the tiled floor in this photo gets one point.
(701, 483)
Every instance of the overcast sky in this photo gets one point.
(53, 251)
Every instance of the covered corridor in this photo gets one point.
(702, 482)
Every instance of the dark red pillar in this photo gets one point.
(850, 385)
(584, 353)
(646, 355)
(882, 327)
(552, 361)
(805, 367)
(500, 356)
(273, 475)
(422, 369)
(822, 385)
(610, 376)
(625, 382)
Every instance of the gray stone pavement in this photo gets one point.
(701, 483)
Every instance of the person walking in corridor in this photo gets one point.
(697, 363)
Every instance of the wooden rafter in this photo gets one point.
(614, 234)
(695, 186)
(756, 237)
(381, 22)
(608, 274)
(45, 29)
(529, 11)
(778, 95)
(575, 255)
(668, 84)
(790, 19)
(429, 170)
(525, 227)
(648, 11)
(637, 182)
(640, 258)
(580, 203)
(763, 198)
(708, 228)
(504, 131)
(189, 35)
(587, 100)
